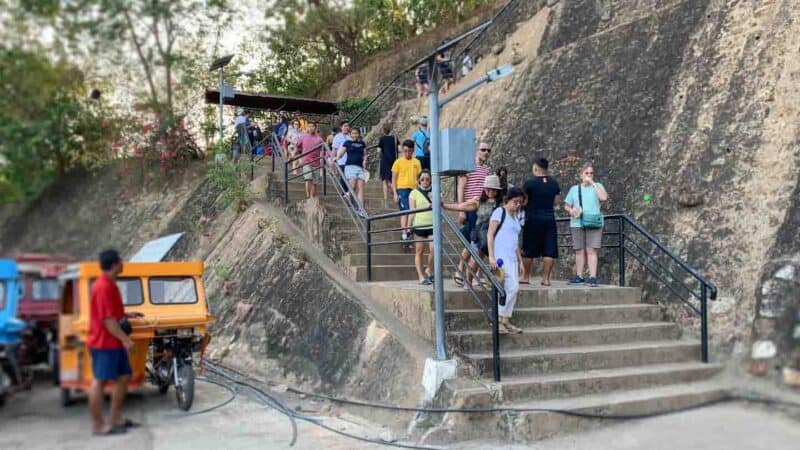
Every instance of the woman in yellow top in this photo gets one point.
(422, 226)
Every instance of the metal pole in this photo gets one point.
(285, 183)
(324, 173)
(221, 77)
(495, 336)
(436, 200)
(369, 249)
(621, 251)
(704, 322)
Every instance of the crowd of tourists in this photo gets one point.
(507, 226)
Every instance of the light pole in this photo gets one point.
(435, 107)
(219, 64)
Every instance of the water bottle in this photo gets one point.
(499, 272)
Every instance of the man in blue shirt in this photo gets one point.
(355, 151)
(338, 142)
(422, 141)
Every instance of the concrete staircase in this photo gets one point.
(583, 350)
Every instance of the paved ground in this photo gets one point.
(35, 420)
(730, 426)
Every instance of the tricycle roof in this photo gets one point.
(130, 269)
(8, 269)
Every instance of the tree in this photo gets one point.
(315, 41)
(49, 125)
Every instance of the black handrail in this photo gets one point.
(492, 294)
(625, 245)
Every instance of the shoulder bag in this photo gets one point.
(592, 221)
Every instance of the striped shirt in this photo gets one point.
(475, 179)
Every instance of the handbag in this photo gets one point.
(589, 221)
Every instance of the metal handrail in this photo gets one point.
(626, 246)
(494, 292)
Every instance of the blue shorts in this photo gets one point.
(402, 199)
(108, 365)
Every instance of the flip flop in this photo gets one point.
(111, 431)
(459, 280)
(128, 423)
(524, 282)
(545, 284)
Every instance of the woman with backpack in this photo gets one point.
(484, 206)
(422, 226)
(583, 205)
(504, 253)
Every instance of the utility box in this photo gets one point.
(228, 92)
(457, 152)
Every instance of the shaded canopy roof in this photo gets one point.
(275, 103)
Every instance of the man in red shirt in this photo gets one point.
(109, 346)
(311, 161)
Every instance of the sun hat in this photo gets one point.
(492, 182)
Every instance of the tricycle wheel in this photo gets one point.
(163, 388)
(66, 397)
(184, 389)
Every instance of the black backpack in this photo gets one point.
(480, 234)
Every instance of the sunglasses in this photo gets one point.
(487, 150)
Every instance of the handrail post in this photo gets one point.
(622, 251)
(495, 336)
(324, 173)
(369, 249)
(704, 322)
(286, 183)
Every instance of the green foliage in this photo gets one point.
(317, 41)
(350, 107)
(47, 123)
(228, 177)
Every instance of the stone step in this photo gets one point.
(536, 296)
(559, 294)
(559, 385)
(538, 424)
(470, 319)
(387, 273)
(391, 259)
(564, 336)
(565, 359)
(590, 382)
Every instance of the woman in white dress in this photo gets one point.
(503, 237)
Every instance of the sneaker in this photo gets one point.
(592, 282)
(577, 280)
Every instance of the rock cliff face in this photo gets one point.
(692, 104)
(278, 311)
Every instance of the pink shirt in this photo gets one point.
(308, 142)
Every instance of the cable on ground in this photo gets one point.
(729, 398)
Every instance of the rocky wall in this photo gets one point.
(688, 110)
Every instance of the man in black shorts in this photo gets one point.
(539, 234)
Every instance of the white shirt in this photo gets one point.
(241, 119)
(506, 241)
(338, 142)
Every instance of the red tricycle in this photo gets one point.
(39, 306)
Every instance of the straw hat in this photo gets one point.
(492, 182)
